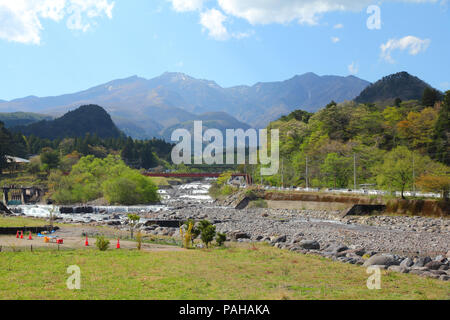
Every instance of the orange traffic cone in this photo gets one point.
(118, 244)
(21, 234)
(17, 234)
(86, 243)
(30, 237)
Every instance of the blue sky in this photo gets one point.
(51, 47)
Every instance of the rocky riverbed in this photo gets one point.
(417, 245)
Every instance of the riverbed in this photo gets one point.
(398, 235)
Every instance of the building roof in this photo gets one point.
(11, 159)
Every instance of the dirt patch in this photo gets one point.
(74, 238)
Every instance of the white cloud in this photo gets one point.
(285, 11)
(20, 20)
(187, 5)
(413, 44)
(274, 11)
(212, 21)
(335, 39)
(353, 68)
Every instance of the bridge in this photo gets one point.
(247, 177)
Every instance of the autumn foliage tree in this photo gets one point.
(435, 183)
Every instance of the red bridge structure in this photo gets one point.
(247, 177)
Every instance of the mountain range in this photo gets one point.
(144, 108)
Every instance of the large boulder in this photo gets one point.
(336, 248)
(399, 269)
(381, 259)
(433, 265)
(279, 239)
(406, 263)
(309, 244)
(236, 235)
(421, 262)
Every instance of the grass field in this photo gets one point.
(239, 272)
(14, 221)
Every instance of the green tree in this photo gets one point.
(5, 146)
(207, 232)
(50, 159)
(130, 188)
(441, 136)
(337, 170)
(133, 220)
(400, 166)
(430, 96)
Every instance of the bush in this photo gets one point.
(192, 233)
(102, 243)
(207, 232)
(139, 240)
(227, 190)
(220, 239)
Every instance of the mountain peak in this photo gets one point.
(175, 76)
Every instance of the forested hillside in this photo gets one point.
(399, 147)
(400, 85)
(90, 119)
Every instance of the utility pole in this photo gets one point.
(306, 174)
(414, 174)
(354, 171)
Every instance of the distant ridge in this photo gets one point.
(90, 119)
(146, 107)
(21, 118)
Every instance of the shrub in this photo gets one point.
(192, 231)
(102, 243)
(220, 239)
(250, 193)
(187, 237)
(207, 232)
(226, 190)
(139, 240)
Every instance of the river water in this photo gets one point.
(190, 193)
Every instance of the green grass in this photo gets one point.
(240, 272)
(6, 221)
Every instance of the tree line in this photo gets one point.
(397, 147)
